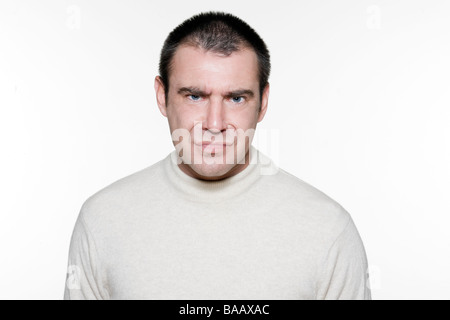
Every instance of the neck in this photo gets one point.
(214, 191)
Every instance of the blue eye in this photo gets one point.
(193, 97)
(238, 99)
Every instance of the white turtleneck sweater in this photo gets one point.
(261, 234)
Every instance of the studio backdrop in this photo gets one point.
(359, 107)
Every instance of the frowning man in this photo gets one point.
(214, 219)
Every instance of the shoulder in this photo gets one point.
(122, 194)
(305, 204)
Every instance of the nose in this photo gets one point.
(215, 117)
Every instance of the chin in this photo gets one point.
(211, 170)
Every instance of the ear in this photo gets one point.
(160, 95)
(264, 102)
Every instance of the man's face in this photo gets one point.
(213, 104)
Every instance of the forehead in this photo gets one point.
(194, 66)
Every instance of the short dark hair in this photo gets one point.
(219, 32)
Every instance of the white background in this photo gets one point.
(359, 108)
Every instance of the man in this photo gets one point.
(215, 219)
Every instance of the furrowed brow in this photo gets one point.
(197, 92)
(192, 90)
(242, 92)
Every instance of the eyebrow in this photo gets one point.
(197, 92)
(192, 90)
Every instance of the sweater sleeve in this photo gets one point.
(343, 275)
(85, 278)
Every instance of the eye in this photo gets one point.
(238, 99)
(193, 97)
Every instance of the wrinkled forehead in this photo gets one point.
(195, 66)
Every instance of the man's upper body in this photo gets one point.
(261, 234)
(215, 219)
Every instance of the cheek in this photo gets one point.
(246, 119)
(180, 118)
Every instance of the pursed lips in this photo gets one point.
(223, 143)
(219, 139)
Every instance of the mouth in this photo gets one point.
(214, 144)
(213, 147)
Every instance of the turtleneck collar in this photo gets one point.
(213, 191)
